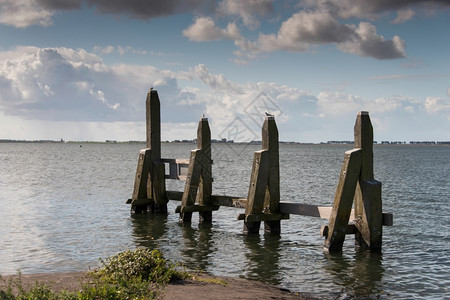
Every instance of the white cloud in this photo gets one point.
(217, 82)
(338, 103)
(104, 50)
(122, 50)
(301, 32)
(204, 29)
(367, 42)
(24, 13)
(248, 10)
(368, 9)
(404, 15)
(392, 104)
(437, 104)
(62, 92)
(68, 84)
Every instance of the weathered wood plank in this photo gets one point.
(204, 143)
(350, 229)
(153, 124)
(263, 217)
(286, 207)
(229, 201)
(343, 200)
(159, 187)
(258, 183)
(195, 208)
(270, 142)
(363, 133)
(323, 212)
(222, 200)
(142, 174)
(141, 202)
(192, 180)
(388, 219)
(369, 221)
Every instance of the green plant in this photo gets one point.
(145, 264)
(138, 274)
(15, 290)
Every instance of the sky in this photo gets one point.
(80, 70)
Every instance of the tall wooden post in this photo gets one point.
(153, 124)
(150, 189)
(198, 187)
(270, 142)
(263, 200)
(368, 203)
(205, 185)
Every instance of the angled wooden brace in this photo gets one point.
(343, 201)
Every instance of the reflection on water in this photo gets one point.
(62, 208)
(148, 229)
(198, 245)
(359, 275)
(263, 257)
(256, 257)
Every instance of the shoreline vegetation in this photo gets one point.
(138, 274)
(224, 141)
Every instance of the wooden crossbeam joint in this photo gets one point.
(263, 217)
(195, 208)
(350, 229)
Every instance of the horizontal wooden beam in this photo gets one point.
(291, 208)
(178, 161)
(222, 200)
(388, 219)
(195, 208)
(350, 229)
(143, 201)
(311, 210)
(263, 217)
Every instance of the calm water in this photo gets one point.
(63, 207)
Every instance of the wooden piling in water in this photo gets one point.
(149, 192)
(357, 184)
(198, 188)
(263, 200)
(368, 203)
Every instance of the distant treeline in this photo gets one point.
(396, 142)
(29, 141)
(225, 141)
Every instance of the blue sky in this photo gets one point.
(80, 70)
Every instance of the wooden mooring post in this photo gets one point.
(263, 200)
(198, 188)
(356, 185)
(149, 193)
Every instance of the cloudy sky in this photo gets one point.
(81, 69)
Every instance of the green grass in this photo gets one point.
(217, 281)
(138, 274)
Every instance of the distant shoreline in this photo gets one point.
(430, 143)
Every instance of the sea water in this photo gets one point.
(62, 207)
